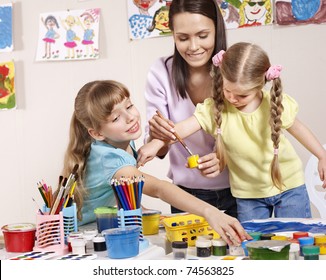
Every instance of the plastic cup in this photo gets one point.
(151, 222)
(106, 218)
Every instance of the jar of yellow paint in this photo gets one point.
(320, 241)
(193, 161)
(151, 221)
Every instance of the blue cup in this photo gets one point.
(122, 242)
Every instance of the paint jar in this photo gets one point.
(236, 250)
(179, 249)
(122, 242)
(310, 252)
(294, 253)
(299, 234)
(267, 236)
(305, 241)
(106, 217)
(320, 240)
(193, 161)
(99, 243)
(268, 250)
(71, 236)
(203, 247)
(219, 247)
(88, 236)
(78, 246)
(151, 221)
(19, 237)
(255, 235)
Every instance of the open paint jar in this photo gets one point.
(151, 221)
(122, 242)
(193, 161)
(268, 250)
(19, 237)
(106, 217)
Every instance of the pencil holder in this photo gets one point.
(50, 234)
(69, 219)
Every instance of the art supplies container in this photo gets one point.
(255, 235)
(280, 237)
(179, 249)
(268, 250)
(106, 217)
(294, 253)
(187, 228)
(219, 247)
(193, 161)
(203, 247)
(19, 237)
(305, 241)
(299, 234)
(236, 250)
(78, 246)
(122, 242)
(99, 243)
(310, 252)
(71, 236)
(88, 237)
(151, 221)
(320, 240)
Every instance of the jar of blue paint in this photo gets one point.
(122, 242)
(106, 218)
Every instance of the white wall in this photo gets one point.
(34, 136)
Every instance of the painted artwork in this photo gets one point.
(6, 44)
(148, 18)
(69, 35)
(246, 13)
(7, 86)
(300, 11)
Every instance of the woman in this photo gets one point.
(175, 85)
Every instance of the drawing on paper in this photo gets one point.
(6, 44)
(7, 86)
(300, 12)
(69, 35)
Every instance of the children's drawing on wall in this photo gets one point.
(69, 35)
(300, 11)
(230, 12)
(148, 18)
(6, 44)
(255, 13)
(7, 86)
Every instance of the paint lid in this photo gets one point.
(310, 250)
(309, 240)
(273, 245)
(203, 243)
(19, 227)
(279, 237)
(218, 242)
(255, 235)
(299, 234)
(179, 244)
(267, 236)
(320, 239)
(98, 239)
(151, 212)
(106, 210)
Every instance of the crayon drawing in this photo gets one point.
(7, 86)
(148, 18)
(69, 35)
(300, 12)
(6, 44)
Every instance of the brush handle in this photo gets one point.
(176, 135)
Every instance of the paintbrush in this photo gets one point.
(176, 135)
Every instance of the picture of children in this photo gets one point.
(50, 23)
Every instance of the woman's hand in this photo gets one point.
(209, 165)
(161, 128)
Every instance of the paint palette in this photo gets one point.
(78, 257)
(35, 255)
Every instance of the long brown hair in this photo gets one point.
(93, 104)
(247, 64)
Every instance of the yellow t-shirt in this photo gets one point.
(247, 138)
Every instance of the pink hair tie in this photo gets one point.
(217, 59)
(273, 72)
(219, 131)
(275, 151)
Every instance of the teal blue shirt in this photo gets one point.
(103, 162)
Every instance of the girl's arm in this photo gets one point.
(227, 227)
(311, 143)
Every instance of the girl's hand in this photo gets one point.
(209, 165)
(162, 129)
(322, 171)
(148, 151)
